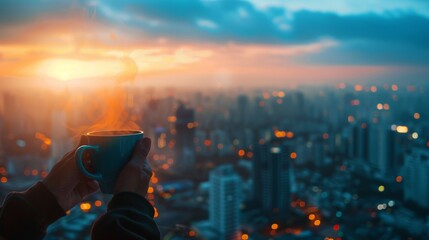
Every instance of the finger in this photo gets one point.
(141, 151)
(63, 160)
(85, 188)
(92, 186)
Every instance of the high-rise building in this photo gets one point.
(271, 177)
(61, 142)
(242, 109)
(359, 148)
(318, 153)
(415, 173)
(225, 202)
(220, 142)
(299, 106)
(200, 143)
(386, 147)
(185, 133)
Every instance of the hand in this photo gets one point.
(135, 176)
(67, 183)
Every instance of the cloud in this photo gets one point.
(377, 38)
(365, 38)
(164, 35)
(401, 28)
(229, 21)
(370, 53)
(347, 7)
(190, 20)
(206, 23)
(16, 12)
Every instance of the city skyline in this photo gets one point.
(339, 161)
(268, 119)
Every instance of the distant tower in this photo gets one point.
(259, 112)
(221, 145)
(318, 153)
(185, 133)
(271, 178)
(416, 177)
(242, 109)
(61, 142)
(360, 141)
(200, 138)
(386, 149)
(225, 202)
(299, 106)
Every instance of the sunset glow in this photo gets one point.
(100, 41)
(68, 69)
(221, 119)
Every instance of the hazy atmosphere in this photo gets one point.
(267, 119)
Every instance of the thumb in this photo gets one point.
(141, 151)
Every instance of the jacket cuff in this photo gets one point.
(131, 200)
(44, 202)
(26, 215)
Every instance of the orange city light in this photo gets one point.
(154, 180)
(192, 233)
(398, 179)
(274, 226)
(156, 214)
(280, 134)
(85, 207)
(241, 153)
(317, 223)
(98, 203)
(3, 179)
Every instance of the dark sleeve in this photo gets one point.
(26, 215)
(129, 216)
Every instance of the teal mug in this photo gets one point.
(105, 154)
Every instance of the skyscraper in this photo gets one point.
(271, 178)
(61, 142)
(318, 152)
(225, 202)
(359, 148)
(185, 132)
(416, 177)
(386, 147)
(242, 109)
(219, 140)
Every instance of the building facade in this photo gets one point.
(224, 212)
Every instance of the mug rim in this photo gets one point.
(94, 133)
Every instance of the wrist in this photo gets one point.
(51, 188)
(26, 215)
(45, 202)
(131, 200)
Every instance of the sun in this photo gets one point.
(72, 69)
